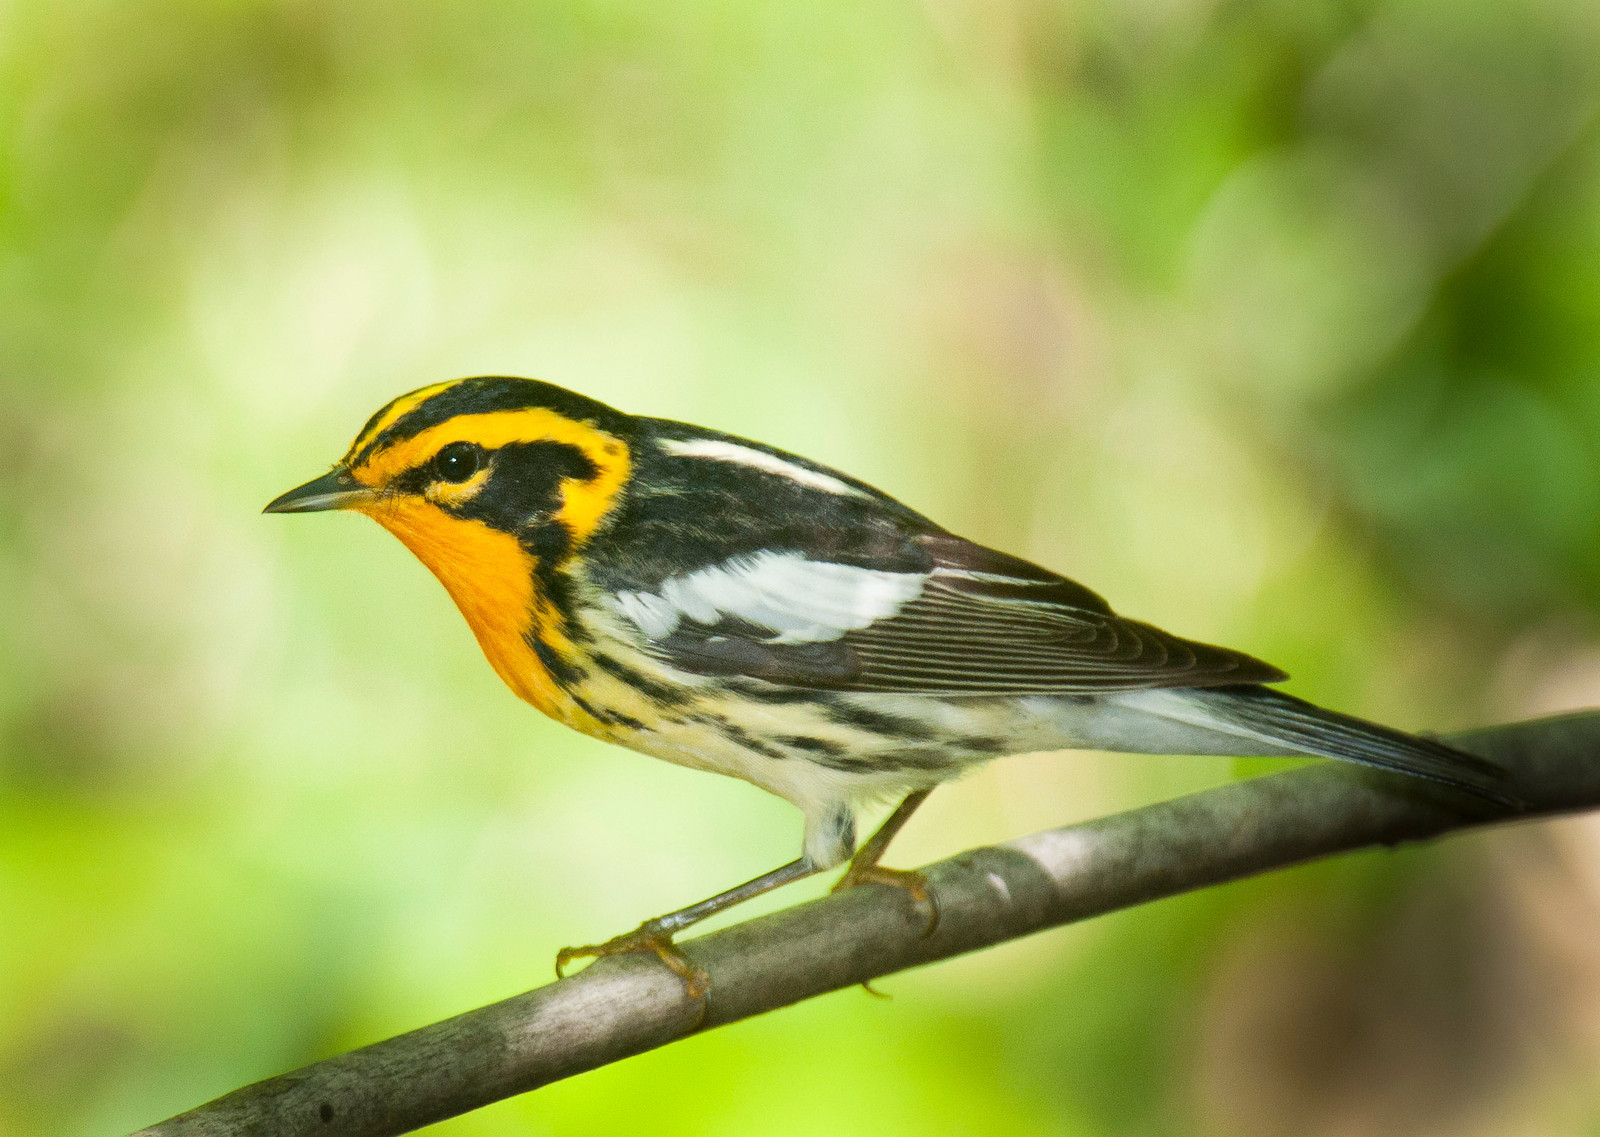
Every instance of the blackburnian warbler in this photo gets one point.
(731, 607)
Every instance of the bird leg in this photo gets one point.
(656, 935)
(865, 869)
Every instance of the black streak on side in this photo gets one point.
(740, 736)
(850, 714)
(812, 745)
(760, 691)
(563, 671)
(919, 759)
(602, 715)
(658, 693)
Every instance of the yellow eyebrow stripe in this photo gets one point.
(584, 503)
(401, 406)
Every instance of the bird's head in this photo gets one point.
(491, 482)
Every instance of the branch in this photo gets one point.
(625, 1005)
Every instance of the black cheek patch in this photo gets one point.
(523, 493)
(550, 542)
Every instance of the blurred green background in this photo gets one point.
(1278, 322)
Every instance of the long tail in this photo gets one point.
(1283, 721)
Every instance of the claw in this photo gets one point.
(911, 881)
(866, 985)
(646, 937)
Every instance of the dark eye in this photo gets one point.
(458, 461)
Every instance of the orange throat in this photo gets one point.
(490, 576)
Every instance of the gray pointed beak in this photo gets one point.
(334, 490)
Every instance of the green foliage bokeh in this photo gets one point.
(1277, 322)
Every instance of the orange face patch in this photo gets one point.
(490, 577)
(486, 571)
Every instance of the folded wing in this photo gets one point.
(976, 622)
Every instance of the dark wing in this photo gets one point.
(976, 622)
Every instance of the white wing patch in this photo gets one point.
(720, 451)
(799, 600)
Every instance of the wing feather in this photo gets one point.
(980, 622)
(955, 641)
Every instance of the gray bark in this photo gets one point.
(623, 1006)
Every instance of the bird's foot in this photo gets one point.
(647, 937)
(913, 882)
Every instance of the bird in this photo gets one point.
(735, 608)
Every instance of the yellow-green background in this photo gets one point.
(1278, 322)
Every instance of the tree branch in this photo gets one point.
(625, 1005)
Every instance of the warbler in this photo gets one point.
(731, 607)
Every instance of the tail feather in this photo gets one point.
(1274, 717)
